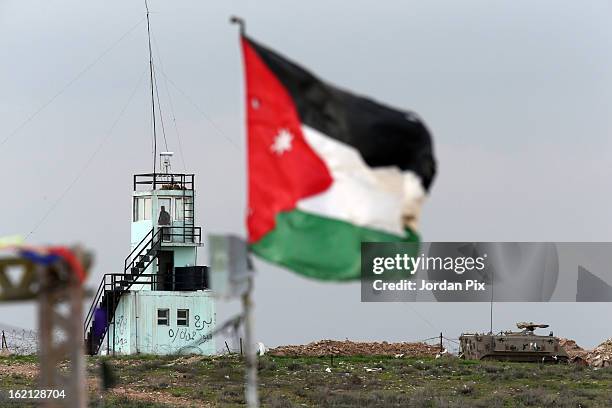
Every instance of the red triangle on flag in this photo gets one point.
(282, 167)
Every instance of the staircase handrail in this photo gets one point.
(129, 257)
(92, 308)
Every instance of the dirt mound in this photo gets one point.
(352, 348)
(573, 350)
(601, 356)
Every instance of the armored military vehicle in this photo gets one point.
(523, 345)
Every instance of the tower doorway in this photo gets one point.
(165, 270)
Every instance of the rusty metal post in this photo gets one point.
(60, 336)
(60, 296)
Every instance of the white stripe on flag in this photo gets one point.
(381, 198)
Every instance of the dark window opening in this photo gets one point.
(163, 317)
(182, 317)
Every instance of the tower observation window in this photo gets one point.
(178, 209)
(163, 317)
(147, 208)
(182, 317)
(142, 208)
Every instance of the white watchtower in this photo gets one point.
(161, 303)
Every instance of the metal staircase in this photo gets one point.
(101, 314)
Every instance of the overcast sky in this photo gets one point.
(516, 93)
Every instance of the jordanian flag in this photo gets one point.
(328, 169)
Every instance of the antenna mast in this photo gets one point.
(152, 94)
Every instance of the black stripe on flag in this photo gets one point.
(383, 135)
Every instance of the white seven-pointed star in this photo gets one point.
(282, 142)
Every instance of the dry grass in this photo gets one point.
(358, 381)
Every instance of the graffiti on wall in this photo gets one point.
(191, 335)
(189, 339)
(120, 333)
(200, 323)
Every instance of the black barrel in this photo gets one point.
(190, 278)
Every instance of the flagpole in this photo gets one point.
(251, 392)
(252, 399)
(240, 22)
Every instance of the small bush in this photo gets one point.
(125, 402)
(490, 368)
(489, 402)
(515, 373)
(152, 365)
(230, 395)
(466, 389)
(422, 397)
(536, 397)
(355, 380)
(421, 365)
(266, 364)
(278, 401)
(294, 366)
(407, 370)
(222, 363)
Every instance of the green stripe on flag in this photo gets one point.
(320, 247)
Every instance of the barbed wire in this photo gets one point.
(428, 339)
(21, 341)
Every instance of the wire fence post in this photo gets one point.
(4, 345)
(441, 345)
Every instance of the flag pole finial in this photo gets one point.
(240, 22)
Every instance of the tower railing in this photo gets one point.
(186, 234)
(163, 181)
